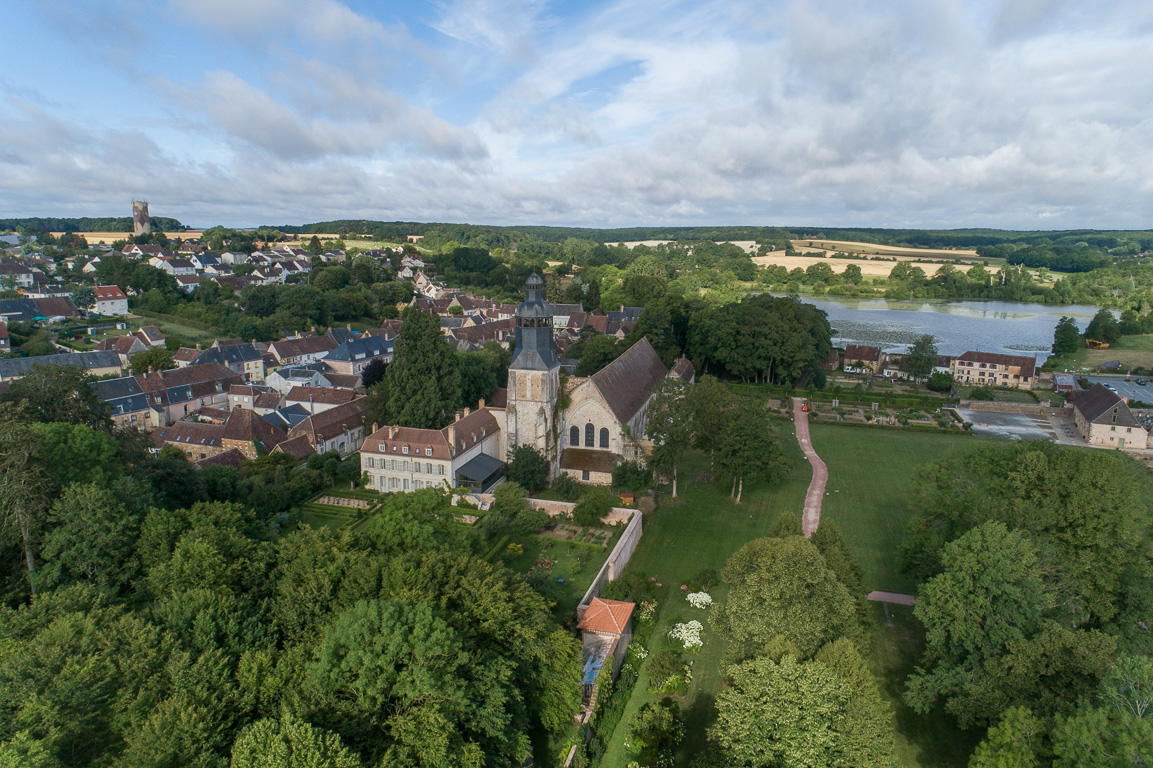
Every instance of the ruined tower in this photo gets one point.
(140, 222)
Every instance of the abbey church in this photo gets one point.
(585, 431)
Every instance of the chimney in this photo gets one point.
(481, 404)
(375, 426)
(198, 345)
(452, 436)
(392, 431)
(466, 409)
(151, 369)
(459, 416)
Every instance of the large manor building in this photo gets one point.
(601, 423)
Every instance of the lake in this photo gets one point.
(1013, 328)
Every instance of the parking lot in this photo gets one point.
(1126, 388)
(1008, 426)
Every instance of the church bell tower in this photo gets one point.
(533, 375)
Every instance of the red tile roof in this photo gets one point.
(109, 293)
(610, 617)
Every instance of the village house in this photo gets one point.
(991, 369)
(127, 400)
(318, 399)
(467, 453)
(1103, 418)
(95, 363)
(860, 358)
(339, 429)
(351, 357)
(124, 346)
(175, 393)
(301, 350)
(110, 300)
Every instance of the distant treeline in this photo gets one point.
(31, 226)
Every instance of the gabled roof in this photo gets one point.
(1027, 364)
(188, 433)
(298, 447)
(610, 617)
(323, 395)
(109, 293)
(1101, 405)
(56, 305)
(307, 345)
(19, 366)
(328, 424)
(627, 382)
(246, 426)
(862, 352)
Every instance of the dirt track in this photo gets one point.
(816, 493)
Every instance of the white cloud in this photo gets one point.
(920, 112)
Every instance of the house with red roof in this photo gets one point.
(110, 300)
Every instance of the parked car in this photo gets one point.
(1142, 382)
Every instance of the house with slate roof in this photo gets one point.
(174, 394)
(96, 363)
(340, 429)
(126, 398)
(353, 355)
(467, 453)
(991, 369)
(1103, 418)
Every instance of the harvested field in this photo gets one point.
(95, 238)
(873, 249)
(868, 268)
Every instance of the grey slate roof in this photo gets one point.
(627, 382)
(123, 394)
(19, 310)
(1101, 405)
(360, 349)
(233, 354)
(19, 366)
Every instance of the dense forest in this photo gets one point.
(1034, 563)
(37, 225)
(153, 614)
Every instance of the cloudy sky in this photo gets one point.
(1033, 114)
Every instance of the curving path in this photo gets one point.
(812, 516)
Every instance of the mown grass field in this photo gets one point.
(870, 472)
(870, 491)
(1132, 351)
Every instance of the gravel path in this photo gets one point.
(816, 494)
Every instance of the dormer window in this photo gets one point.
(404, 450)
(427, 451)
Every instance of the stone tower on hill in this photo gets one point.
(141, 224)
(533, 375)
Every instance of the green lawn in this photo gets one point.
(868, 493)
(869, 498)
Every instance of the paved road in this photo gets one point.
(816, 494)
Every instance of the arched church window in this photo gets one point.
(574, 435)
(604, 437)
(590, 435)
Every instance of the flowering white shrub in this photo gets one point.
(699, 599)
(689, 634)
(648, 610)
(640, 651)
